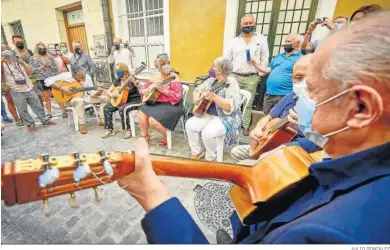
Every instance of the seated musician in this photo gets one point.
(345, 108)
(134, 97)
(281, 110)
(165, 113)
(77, 74)
(221, 118)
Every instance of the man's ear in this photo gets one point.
(368, 107)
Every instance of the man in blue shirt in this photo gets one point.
(345, 108)
(281, 110)
(280, 69)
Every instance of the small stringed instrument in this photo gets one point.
(30, 180)
(77, 91)
(122, 92)
(201, 106)
(151, 94)
(276, 132)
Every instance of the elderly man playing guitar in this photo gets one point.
(71, 85)
(280, 111)
(344, 108)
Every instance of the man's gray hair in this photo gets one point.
(223, 64)
(298, 38)
(363, 56)
(248, 15)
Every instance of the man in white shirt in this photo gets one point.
(121, 54)
(246, 74)
(92, 96)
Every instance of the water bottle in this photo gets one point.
(248, 55)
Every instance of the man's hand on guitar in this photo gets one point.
(292, 117)
(143, 184)
(99, 91)
(114, 95)
(66, 90)
(210, 96)
(256, 134)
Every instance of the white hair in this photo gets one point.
(248, 15)
(298, 38)
(223, 64)
(363, 57)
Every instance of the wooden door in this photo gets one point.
(75, 27)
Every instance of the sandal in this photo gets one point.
(127, 134)
(19, 123)
(109, 134)
(50, 116)
(65, 115)
(163, 142)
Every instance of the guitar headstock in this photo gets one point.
(48, 176)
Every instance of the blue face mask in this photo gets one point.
(305, 109)
(337, 26)
(119, 74)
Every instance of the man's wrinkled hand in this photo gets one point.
(143, 183)
(292, 116)
(256, 134)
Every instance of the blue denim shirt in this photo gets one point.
(347, 203)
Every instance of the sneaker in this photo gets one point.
(83, 129)
(223, 237)
(7, 120)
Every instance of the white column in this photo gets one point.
(167, 43)
(121, 25)
(230, 21)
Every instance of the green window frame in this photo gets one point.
(278, 18)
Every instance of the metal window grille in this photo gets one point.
(146, 30)
(278, 18)
(3, 38)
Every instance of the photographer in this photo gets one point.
(15, 74)
(121, 53)
(337, 24)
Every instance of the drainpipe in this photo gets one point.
(107, 25)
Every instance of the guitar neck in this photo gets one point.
(280, 124)
(84, 89)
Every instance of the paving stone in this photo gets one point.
(72, 221)
(132, 237)
(107, 240)
(86, 239)
(78, 233)
(103, 227)
(121, 227)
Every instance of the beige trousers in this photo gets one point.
(78, 104)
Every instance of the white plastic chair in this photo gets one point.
(245, 97)
(169, 133)
(131, 116)
(71, 111)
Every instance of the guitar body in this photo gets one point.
(273, 139)
(151, 98)
(62, 97)
(122, 96)
(201, 107)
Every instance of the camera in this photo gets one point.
(57, 46)
(20, 82)
(320, 20)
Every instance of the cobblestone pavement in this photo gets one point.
(115, 219)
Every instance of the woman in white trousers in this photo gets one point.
(223, 116)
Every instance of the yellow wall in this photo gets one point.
(348, 7)
(42, 20)
(196, 35)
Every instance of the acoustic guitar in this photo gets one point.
(202, 105)
(77, 91)
(151, 94)
(276, 132)
(122, 92)
(254, 187)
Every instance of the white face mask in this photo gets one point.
(299, 87)
(166, 69)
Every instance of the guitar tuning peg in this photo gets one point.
(97, 196)
(46, 208)
(81, 172)
(108, 168)
(72, 201)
